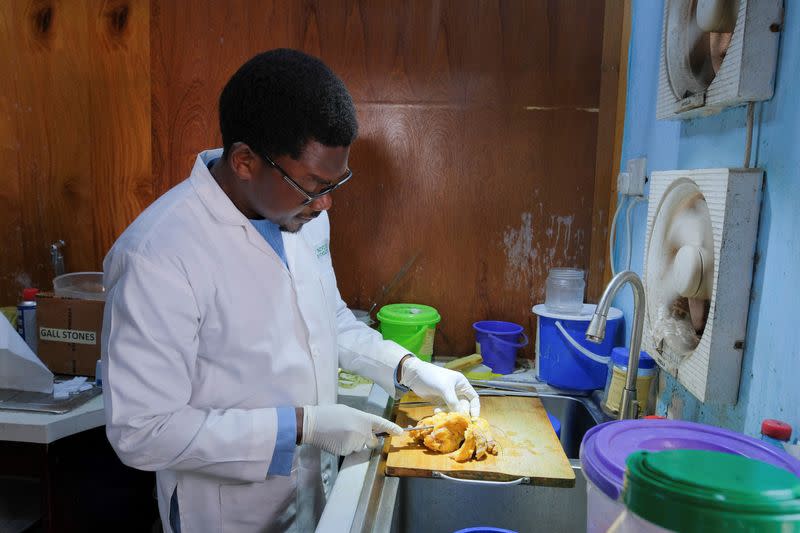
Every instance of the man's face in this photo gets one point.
(269, 195)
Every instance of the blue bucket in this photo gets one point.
(498, 343)
(485, 529)
(556, 423)
(564, 358)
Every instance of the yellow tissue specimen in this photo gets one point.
(447, 433)
(456, 432)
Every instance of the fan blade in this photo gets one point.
(688, 227)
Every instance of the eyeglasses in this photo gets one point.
(309, 196)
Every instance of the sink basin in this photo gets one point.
(435, 505)
(577, 416)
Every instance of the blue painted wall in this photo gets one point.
(770, 383)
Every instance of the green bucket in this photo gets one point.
(412, 326)
(701, 490)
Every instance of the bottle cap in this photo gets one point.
(776, 429)
(29, 294)
(620, 357)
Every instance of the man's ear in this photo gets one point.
(243, 161)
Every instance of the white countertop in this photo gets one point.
(44, 428)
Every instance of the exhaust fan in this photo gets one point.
(698, 266)
(716, 54)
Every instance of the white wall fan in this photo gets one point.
(698, 264)
(716, 54)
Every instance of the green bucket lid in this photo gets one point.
(409, 314)
(701, 490)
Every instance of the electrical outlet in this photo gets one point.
(631, 181)
(623, 183)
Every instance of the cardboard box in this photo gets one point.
(69, 333)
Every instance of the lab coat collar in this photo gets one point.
(211, 194)
(220, 206)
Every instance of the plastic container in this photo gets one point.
(83, 285)
(564, 358)
(498, 343)
(606, 447)
(775, 432)
(412, 326)
(629, 522)
(618, 374)
(26, 318)
(564, 290)
(695, 491)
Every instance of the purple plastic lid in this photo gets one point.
(606, 447)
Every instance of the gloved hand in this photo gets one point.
(342, 430)
(432, 382)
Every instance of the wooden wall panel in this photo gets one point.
(478, 146)
(477, 149)
(76, 136)
(12, 273)
(119, 48)
(48, 41)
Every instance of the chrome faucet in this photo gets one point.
(596, 332)
(57, 257)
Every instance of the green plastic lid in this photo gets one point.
(409, 314)
(701, 490)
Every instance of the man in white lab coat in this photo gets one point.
(224, 328)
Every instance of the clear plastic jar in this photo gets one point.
(564, 290)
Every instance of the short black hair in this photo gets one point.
(280, 100)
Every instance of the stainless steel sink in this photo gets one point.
(435, 505)
(577, 416)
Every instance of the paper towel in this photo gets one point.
(20, 369)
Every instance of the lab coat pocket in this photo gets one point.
(258, 507)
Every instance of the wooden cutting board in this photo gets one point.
(528, 445)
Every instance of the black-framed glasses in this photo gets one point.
(309, 196)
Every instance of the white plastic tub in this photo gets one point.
(628, 522)
(601, 511)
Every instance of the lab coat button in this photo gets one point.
(314, 351)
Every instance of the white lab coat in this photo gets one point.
(205, 333)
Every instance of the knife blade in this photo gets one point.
(409, 428)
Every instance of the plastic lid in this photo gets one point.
(409, 314)
(701, 490)
(620, 357)
(565, 273)
(606, 447)
(776, 429)
(485, 529)
(585, 314)
(29, 294)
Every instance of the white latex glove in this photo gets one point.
(342, 430)
(432, 383)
